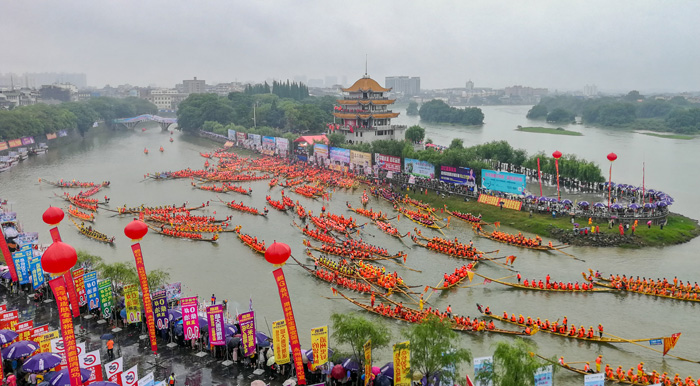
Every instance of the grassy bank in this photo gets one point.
(679, 229)
(548, 130)
(670, 136)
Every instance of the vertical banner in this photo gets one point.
(280, 342)
(147, 380)
(58, 287)
(8, 256)
(91, 361)
(160, 310)
(72, 295)
(484, 364)
(24, 330)
(368, 361)
(22, 267)
(215, 317)
(597, 379)
(190, 320)
(130, 377)
(58, 347)
(91, 290)
(45, 340)
(78, 280)
(114, 370)
(247, 322)
(9, 320)
(147, 303)
(132, 303)
(402, 364)
(319, 345)
(37, 272)
(291, 324)
(105, 290)
(543, 376)
(539, 175)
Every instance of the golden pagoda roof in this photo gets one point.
(365, 115)
(366, 101)
(366, 84)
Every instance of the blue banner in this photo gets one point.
(503, 181)
(543, 376)
(655, 342)
(232, 134)
(268, 142)
(457, 175)
(418, 168)
(37, 272)
(21, 266)
(597, 379)
(93, 297)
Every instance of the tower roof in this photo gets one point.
(366, 84)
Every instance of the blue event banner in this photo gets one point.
(21, 266)
(93, 297)
(457, 175)
(503, 181)
(36, 271)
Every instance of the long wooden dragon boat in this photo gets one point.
(74, 183)
(352, 254)
(460, 254)
(252, 243)
(316, 234)
(680, 295)
(330, 276)
(82, 216)
(455, 279)
(519, 242)
(243, 208)
(183, 235)
(529, 287)
(93, 233)
(595, 338)
(467, 217)
(390, 229)
(406, 311)
(369, 213)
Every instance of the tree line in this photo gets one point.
(293, 90)
(440, 112)
(242, 109)
(478, 157)
(42, 119)
(632, 110)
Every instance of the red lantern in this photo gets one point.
(277, 253)
(612, 157)
(53, 216)
(135, 230)
(557, 154)
(59, 257)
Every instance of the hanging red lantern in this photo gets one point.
(59, 257)
(277, 253)
(612, 157)
(135, 230)
(557, 154)
(53, 216)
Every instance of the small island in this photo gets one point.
(548, 130)
(668, 136)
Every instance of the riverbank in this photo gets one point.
(679, 229)
(548, 130)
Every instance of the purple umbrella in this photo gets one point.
(350, 364)
(634, 206)
(583, 203)
(543, 199)
(261, 339)
(41, 362)
(174, 315)
(7, 336)
(661, 204)
(61, 377)
(599, 205)
(566, 201)
(387, 370)
(6, 275)
(649, 205)
(21, 349)
(203, 323)
(616, 206)
(230, 329)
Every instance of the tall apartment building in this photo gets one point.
(193, 86)
(408, 86)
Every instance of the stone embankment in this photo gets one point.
(596, 239)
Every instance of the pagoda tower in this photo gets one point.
(364, 113)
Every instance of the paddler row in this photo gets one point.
(458, 275)
(350, 284)
(379, 275)
(547, 284)
(657, 284)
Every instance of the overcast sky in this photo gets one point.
(615, 44)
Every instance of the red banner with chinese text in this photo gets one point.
(72, 294)
(291, 324)
(24, 330)
(147, 303)
(58, 286)
(9, 320)
(8, 258)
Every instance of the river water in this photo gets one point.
(231, 270)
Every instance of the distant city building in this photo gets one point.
(300, 78)
(404, 85)
(58, 92)
(166, 99)
(36, 80)
(590, 90)
(519, 94)
(330, 81)
(18, 98)
(469, 86)
(193, 86)
(364, 115)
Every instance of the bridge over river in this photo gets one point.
(131, 122)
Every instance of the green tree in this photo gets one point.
(537, 112)
(354, 330)
(514, 365)
(335, 139)
(633, 96)
(412, 108)
(560, 115)
(415, 133)
(88, 260)
(456, 144)
(435, 348)
(85, 115)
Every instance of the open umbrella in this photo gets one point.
(649, 205)
(382, 380)
(375, 370)
(616, 206)
(6, 275)
(566, 201)
(233, 341)
(104, 383)
(7, 336)
(261, 339)
(174, 315)
(230, 329)
(21, 349)
(599, 205)
(583, 203)
(61, 377)
(338, 372)
(270, 360)
(122, 313)
(107, 336)
(387, 370)
(661, 204)
(41, 362)
(350, 364)
(634, 206)
(258, 382)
